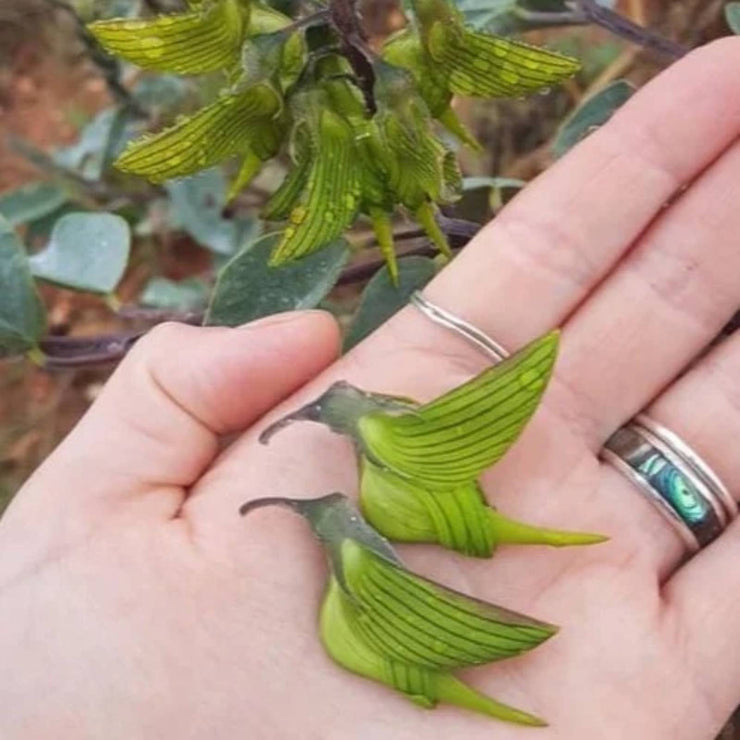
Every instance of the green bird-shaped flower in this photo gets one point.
(385, 623)
(446, 58)
(247, 120)
(420, 463)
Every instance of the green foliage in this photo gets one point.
(99, 143)
(185, 295)
(31, 202)
(382, 298)
(87, 251)
(732, 16)
(197, 203)
(248, 288)
(594, 112)
(22, 315)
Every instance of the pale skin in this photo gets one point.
(136, 603)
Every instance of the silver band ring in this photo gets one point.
(682, 487)
(673, 478)
(462, 328)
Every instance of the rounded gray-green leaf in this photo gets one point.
(185, 295)
(31, 202)
(247, 288)
(595, 112)
(732, 16)
(197, 203)
(22, 315)
(87, 251)
(381, 299)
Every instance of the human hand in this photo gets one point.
(136, 603)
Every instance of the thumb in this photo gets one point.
(155, 427)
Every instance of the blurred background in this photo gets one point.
(56, 100)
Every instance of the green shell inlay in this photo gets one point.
(675, 488)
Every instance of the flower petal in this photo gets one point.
(482, 65)
(331, 197)
(213, 134)
(203, 40)
(451, 440)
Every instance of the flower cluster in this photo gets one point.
(288, 92)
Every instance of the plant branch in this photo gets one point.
(626, 29)
(584, 12)
(64, 353)
(345, 18)
(71, 352)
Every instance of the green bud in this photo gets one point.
(381, 621)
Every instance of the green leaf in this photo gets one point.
(594, 112)
(187, 43)
(185, 295)
(22, 315)
(31, 202)
(381, 299)
(732, 16)
(97, 145)
(160, 92)
(197, 204)
(87, 251)
(248, 288)
(453, 439)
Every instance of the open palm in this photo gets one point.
(136, 603)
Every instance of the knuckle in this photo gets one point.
(162, 339)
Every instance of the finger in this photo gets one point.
(156, 425)
(553, 243)
(663, 304)
(703, 596)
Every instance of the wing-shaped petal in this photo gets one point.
(213, 134)
(409, 619)
(330, 200)
(450, 441)
(481, 65)
(203, 40)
